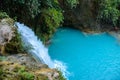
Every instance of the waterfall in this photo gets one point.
(36, 48)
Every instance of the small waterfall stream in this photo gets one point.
(36, 48)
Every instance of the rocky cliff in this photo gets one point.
(84, 16)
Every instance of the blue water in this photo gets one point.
(88, 57)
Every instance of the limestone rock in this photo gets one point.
(6, 32)
(26, 60)
(24, 67)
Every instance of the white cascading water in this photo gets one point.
(35, 47)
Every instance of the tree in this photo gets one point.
(109, 11)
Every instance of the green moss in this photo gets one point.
(25, 75)
(1, 71)
(9, 21)
(3, 15)
(42, 77)
(15, 45)
(17, 73)
(13, 71)
(72, 3)
(61, 77)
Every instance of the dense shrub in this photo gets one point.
(61, 77)
(43, 16)
(3, 15)
(23, 9)
(51, 20)
(17, 72)
(109, 11)
(25, 75)
(15, 44)
(72, 3)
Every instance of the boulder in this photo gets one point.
(6, 33)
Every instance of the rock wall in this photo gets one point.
(84, 16)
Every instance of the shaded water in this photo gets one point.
(88, 57)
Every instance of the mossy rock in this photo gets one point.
(14, 71)
(15, 45)
(12, 43)
(3, 15)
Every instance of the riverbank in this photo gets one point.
(115, 34)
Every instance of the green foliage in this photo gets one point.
(15, 45)
(23, 9)
(3, 15)
(52, 19)
(18, 72)
(72, 3)
(1, 71)
(109, 11)
(61, 77)
(56, 1)
(42, 77)
(48, 12)
(26, 75)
